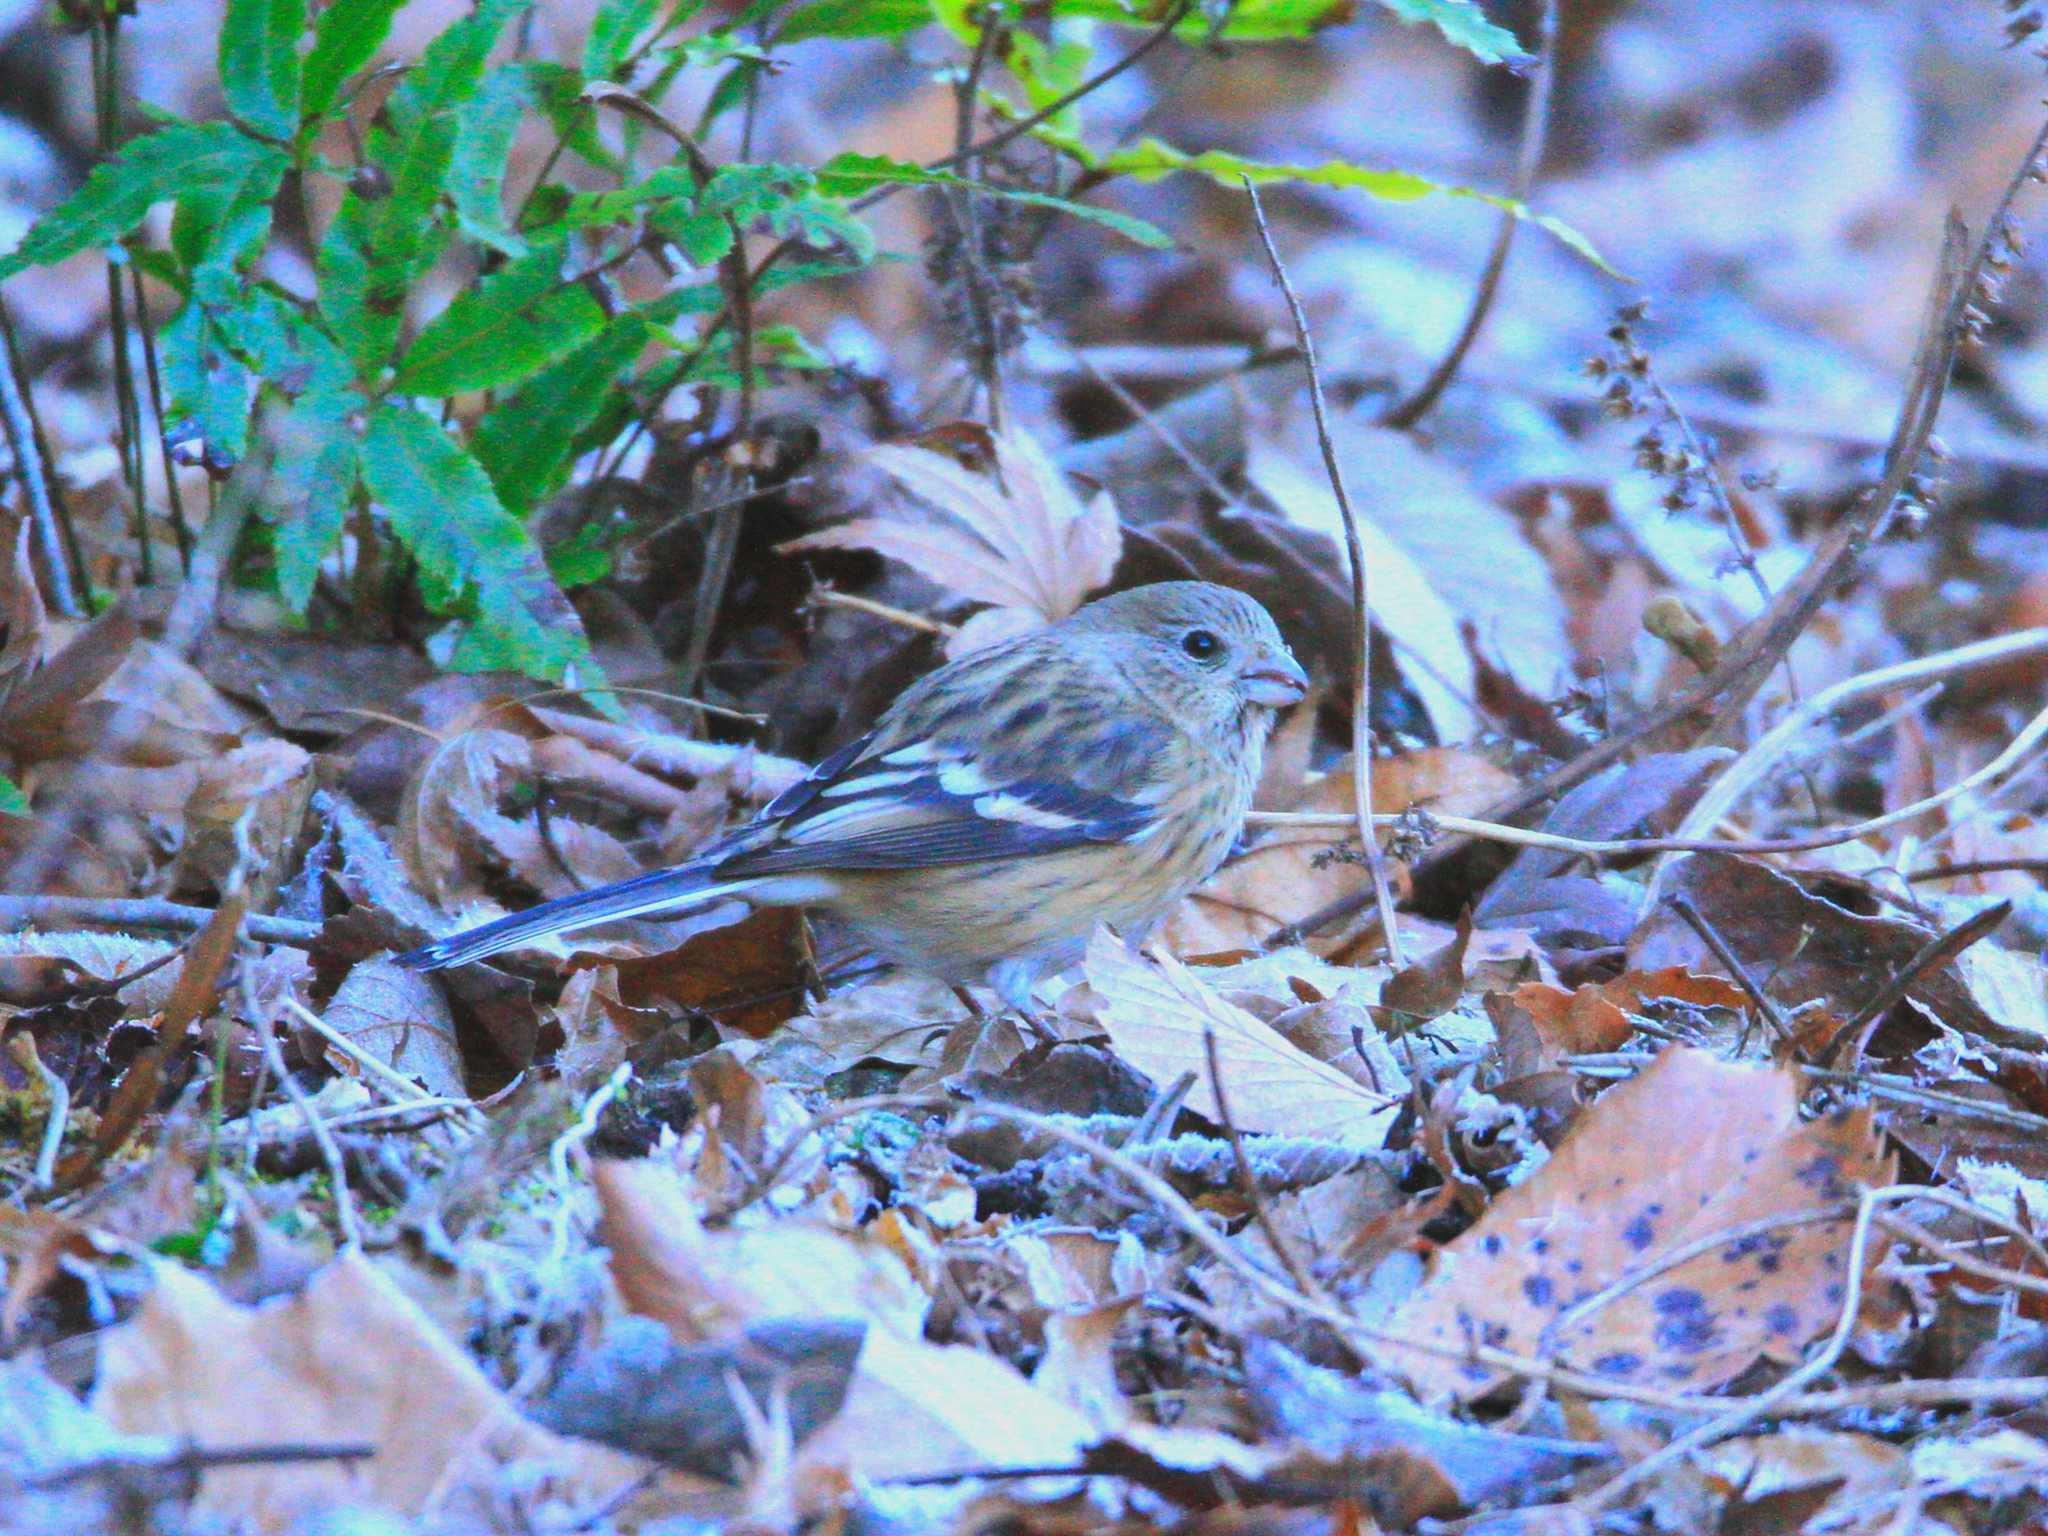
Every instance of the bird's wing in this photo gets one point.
(948, 778)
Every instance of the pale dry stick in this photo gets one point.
(1304, 1282)
(1535, 130)
(1685, 1253)
(574, 1137)
(1156, 425)
(323, 1138)
(1622, 1064)
(1361, 603)
(1747, 770)
(23, 1049)
(169, 916)
(402, 1089)
(831, 597)
(1944, 663)
(28, 469)
(1949, 1253)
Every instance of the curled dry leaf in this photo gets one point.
(1622, 1192)
(1019, 540)
(913, 1407)
(1158, 1015)
(1538, 1025)
(452, 822)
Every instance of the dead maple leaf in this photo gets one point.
(1019, 540)
(1626, 1188)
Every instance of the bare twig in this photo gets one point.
(1535, 130)
(60, 912)
(832, 597)
(176, 497)
(1936, 952)
(1059, 104)
(264, 1019)
(22, 1047)
(1282, 1249)
(1710, 936)
(1361, 606)
(28, 468)
(191, 1459)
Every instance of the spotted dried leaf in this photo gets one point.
(1618, 1197)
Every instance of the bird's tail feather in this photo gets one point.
(661, 891)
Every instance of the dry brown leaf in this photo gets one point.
(913, 1407)
(350, 1359)
(1539, 1024)
(747, 976)
(1620, 1192)
(402, 1019)
(1019, 540)
(1158, 1015)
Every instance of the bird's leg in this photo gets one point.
(1039, 1027)
(974, 1009)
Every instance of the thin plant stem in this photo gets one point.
(28, 468)
(1361, 597)
(179, 531)
(1535, 131)
(46, 461)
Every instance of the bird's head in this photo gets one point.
(1208, 656)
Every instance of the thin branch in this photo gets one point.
(1361, 606)
(65, 912)
(1282, 1249)
(28, 469)
(1059, 104)
(1535, 130)
(176, 497)
(1710, 936)
(1935, 953)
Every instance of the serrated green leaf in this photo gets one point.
(557, 91)
(287, 350)
(345, 38)
(1246, 21)
(259, 64)
(443, 509)
(613, 28)
(207, 388)
(485, 127)
(848, 175)
(12, 801)
(524, 444)
(519, 319)
(1150, 160)
(1463, 23)
(703, 238)
(120, 192)
(222, 221)
(311, 485)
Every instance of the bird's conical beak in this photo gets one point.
(1275, 680)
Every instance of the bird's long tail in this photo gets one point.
(662, 891)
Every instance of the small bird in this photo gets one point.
(1096, 770)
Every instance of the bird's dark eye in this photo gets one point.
(1201, 644)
